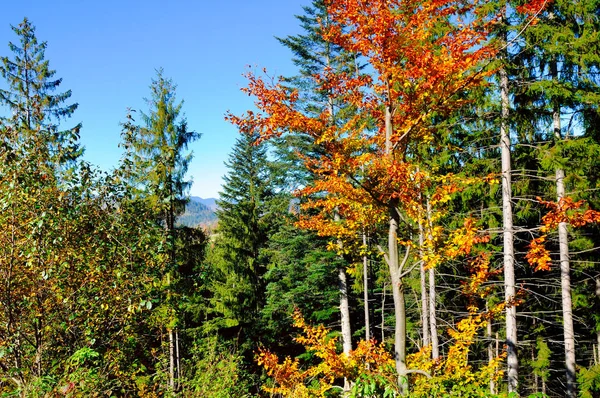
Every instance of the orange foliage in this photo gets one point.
(462, 240)
(373, 361)
(289, 380)
(533, 7)
(538, 256)
(420, 74)
(565, 211)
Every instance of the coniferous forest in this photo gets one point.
(415, 212)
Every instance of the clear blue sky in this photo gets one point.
(107, 52)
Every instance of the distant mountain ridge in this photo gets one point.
(199, 212)
(211, 203)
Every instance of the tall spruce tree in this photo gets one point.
(30, 97)
(561, 60)
(249, 211)
(160, 163)
(313, 55)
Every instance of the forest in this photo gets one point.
(415, 212)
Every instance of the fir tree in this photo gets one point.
(160, 144)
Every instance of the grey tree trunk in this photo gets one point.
(598, 332)
(177, 360)
(344, 308)
(565, 276)
(171, 361)
(393, 261)
(399, 303)
(597, 348)
(345, 311)
(366, 291)
(424, 300)
(435, 349)
(490, 350)
(383, 312)
(508, 235)
(342, 277)
(169, 215)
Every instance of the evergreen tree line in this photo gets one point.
(439, 273)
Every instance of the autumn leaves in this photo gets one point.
(417, 65)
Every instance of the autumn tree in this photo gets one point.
(418, 74)
(32, 151)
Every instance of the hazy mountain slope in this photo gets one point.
(199, 212)
(211, 203)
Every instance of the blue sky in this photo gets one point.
(107, 52)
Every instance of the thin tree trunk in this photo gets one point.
(171, 361)
(535, 375)
(435, 349)
(169, 233)
(597, 353)
(366, 290)
(345, 318)
(342, 277)
(393, 261)
(490, 349)
(565, 277)
(424, 301)
(399, 304)
(177, 361)
(345, 311)
(597, 348)
(508, 234)
(39, 334)
(383, 312)
(38, 347)
(344, 308)
(497, 345)
(543, 387)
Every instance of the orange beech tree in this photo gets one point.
(424, 56)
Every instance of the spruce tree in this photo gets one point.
(158, 165)
(247, 217)
(561, 60)
(160, 144)
(31, 97)
(313, 55)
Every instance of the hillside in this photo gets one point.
(211, 203)
(199, 212)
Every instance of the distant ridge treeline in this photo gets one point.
(199, 212)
